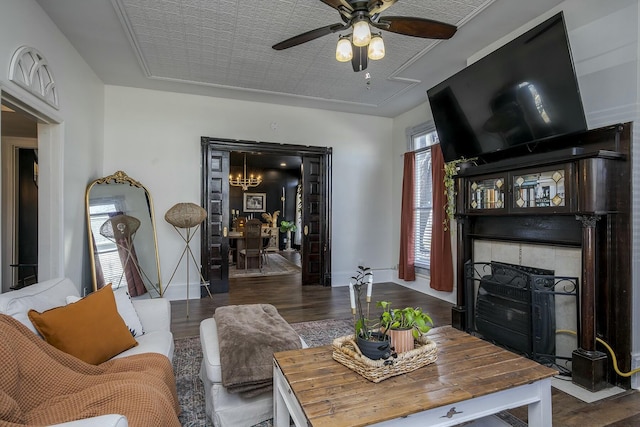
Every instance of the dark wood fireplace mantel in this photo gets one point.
(590, 210)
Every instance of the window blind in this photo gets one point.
(423, 211)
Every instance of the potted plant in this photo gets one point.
(403, 325)
(287, 227)
(450, 171)
(372, 343)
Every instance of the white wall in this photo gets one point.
(79, 144)
(155, 138)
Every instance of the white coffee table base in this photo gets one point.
(536, 395)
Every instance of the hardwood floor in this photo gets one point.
(298, 303)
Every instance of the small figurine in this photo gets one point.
(272, 220)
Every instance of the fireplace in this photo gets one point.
(592, 213)
(516, 307)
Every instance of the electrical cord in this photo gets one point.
(613, 355)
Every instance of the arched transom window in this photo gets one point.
(29, 70)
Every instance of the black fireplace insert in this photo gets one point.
(515, 306)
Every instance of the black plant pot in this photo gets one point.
(377, 348)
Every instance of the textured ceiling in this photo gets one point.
(223, 48)
(228, 43)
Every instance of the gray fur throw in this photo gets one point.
(248, 335)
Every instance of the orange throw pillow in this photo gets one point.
(90, 329)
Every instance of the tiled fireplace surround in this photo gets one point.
(563, 261)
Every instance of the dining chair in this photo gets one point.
(265, 245)
(252, 242)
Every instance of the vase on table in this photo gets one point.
(376, 348)
(401, 339)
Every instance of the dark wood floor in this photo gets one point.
(298, 303)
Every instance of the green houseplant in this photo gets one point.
(373, 344)
(450, 171)
(288, 227)
(404, 325)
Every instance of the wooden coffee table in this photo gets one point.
(471, 379)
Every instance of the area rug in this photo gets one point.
(188, 357)
(277, 265)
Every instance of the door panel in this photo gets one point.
(215, 243)
(27, 215)
(313, 242)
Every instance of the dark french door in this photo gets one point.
(316, 209)
(215, 200)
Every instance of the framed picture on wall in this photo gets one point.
(254, 202)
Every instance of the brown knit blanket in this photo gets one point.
(41, 385)
(248, 335)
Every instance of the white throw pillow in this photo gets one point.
(126, 310)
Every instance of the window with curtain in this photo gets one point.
(421, 138)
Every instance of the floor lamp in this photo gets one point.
(121, 230)
(188, 217)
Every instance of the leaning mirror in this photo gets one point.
(122, 235)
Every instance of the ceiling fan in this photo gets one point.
(361, 45)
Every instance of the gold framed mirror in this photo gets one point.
(123, 245)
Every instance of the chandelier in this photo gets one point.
(360, 39)
(244, 181)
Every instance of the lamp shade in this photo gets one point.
(361, 33)
(185, 215)
(376, 48)
(344, 51)
(120, 227)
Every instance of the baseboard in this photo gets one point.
(178, 291)
(423, 284)
(381, 275)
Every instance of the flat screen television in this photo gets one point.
(524, 92)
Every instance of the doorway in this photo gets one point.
(20, 175)
(265, 187)
(315, 207)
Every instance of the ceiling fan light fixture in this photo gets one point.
(376, 47)
(361, 33)
(344, 51)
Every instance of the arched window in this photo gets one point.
(29, 70)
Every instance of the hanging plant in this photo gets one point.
(450, 171)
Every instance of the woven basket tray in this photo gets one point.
(346, 351)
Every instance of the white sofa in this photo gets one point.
(226, 409)
(223, 408)
(154, 314)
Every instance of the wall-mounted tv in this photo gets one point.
(524, 92)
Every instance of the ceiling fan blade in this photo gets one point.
(416, 27)
(377, 6)
(360, 58)
(308, 36)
